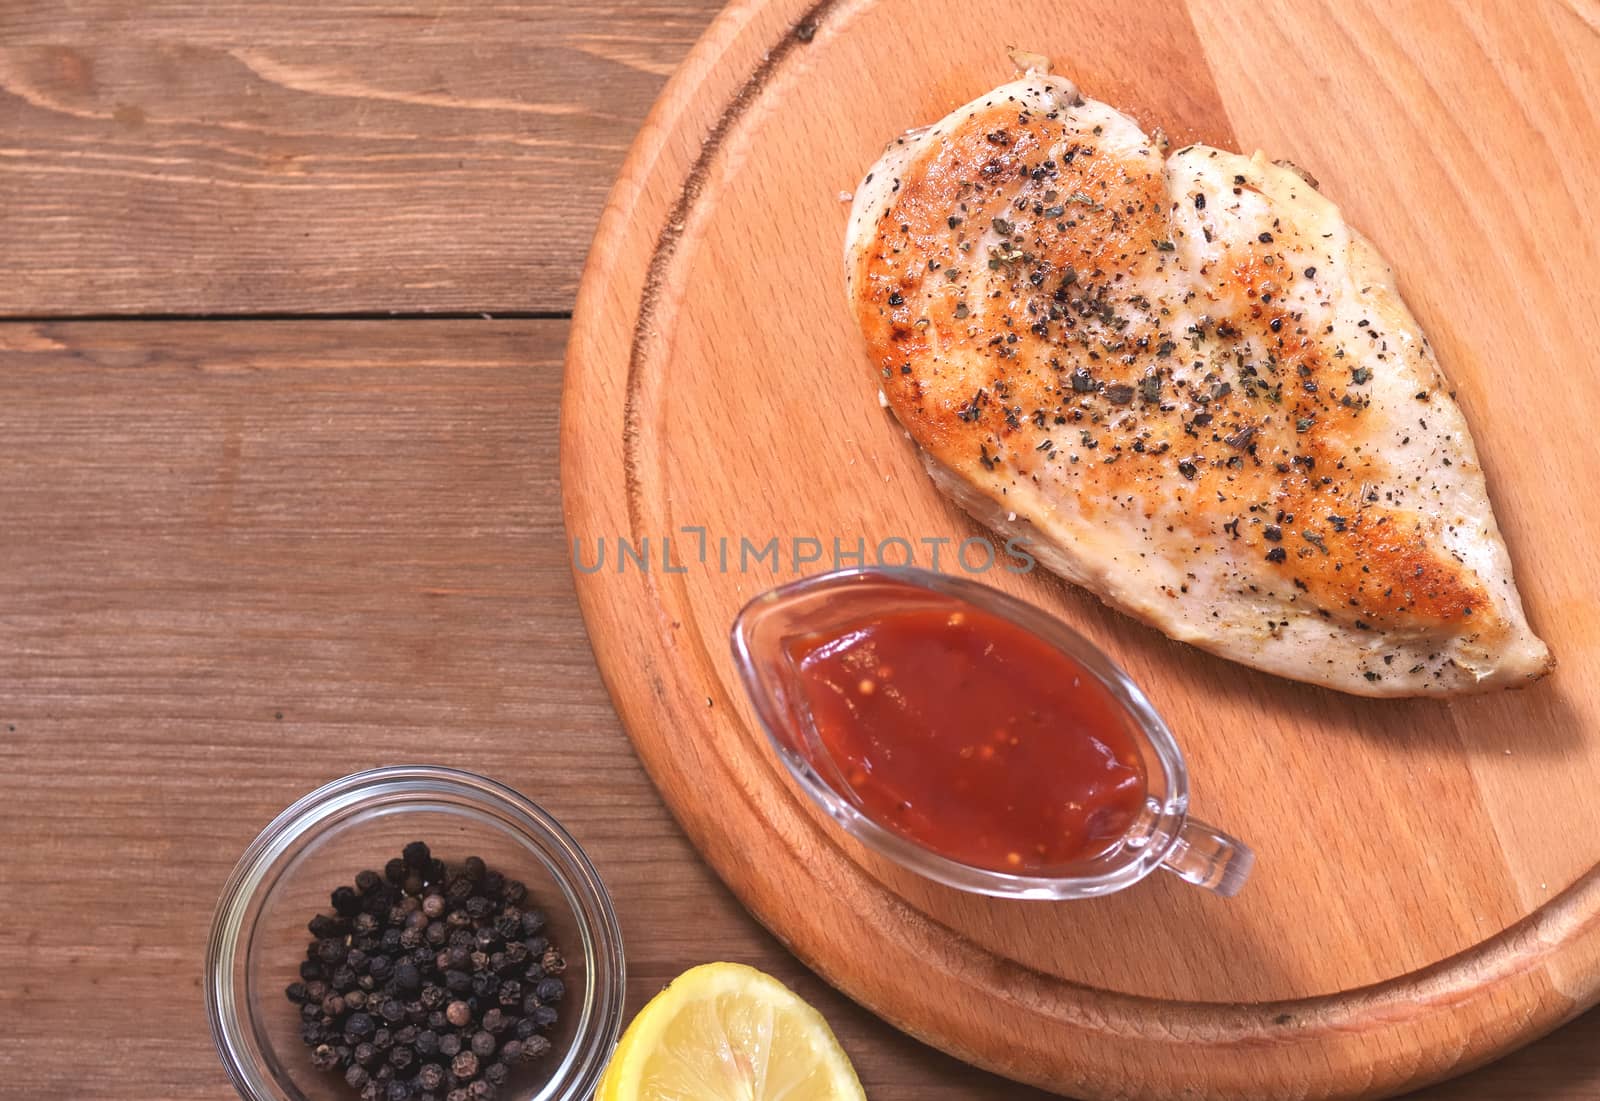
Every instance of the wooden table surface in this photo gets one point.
(281, 321)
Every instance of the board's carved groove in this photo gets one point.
(800, 35)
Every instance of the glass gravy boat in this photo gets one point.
(1162, 835)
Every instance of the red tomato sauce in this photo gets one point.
(974, 737)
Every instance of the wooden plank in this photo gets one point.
(355, 525)
(264, 157)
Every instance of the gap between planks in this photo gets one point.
(350, 315)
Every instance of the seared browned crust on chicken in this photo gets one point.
(1192, 387)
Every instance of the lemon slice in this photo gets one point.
(726, 1032)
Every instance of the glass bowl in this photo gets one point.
(259, 935)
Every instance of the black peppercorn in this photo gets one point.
(483, 1044)
(436, 1020)
(545, 1016)
(406, 977)
(511, 1052)
(550, 991)
(401, 1058)
(431, 1076)
(295, 992)
(496, 1074)
(435, 871)
(365, 1054)
(427, 1043)
(390, 941)
(495, 1021)
(324, 1057)
(359, 1026)
(464, 1065)
(395, 871)
(383, 1039)
(380, 968)
(553, 961)
(485, 986)
(535, 1047)
(333, 1005)
(346, 902)
(449, 1045)
(364, 925)
(310, 970)
(480, 1091)
(344, 978)
(433, 905)
(436, 934)
(399, 1090)
(492, 884)
(524, 1028)
(417, 855)
(356, 1076)
(324, 926)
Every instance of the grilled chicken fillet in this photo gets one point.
(1192, 387)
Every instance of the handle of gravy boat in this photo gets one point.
(1209, 858)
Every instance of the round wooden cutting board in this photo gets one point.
(1426, 894)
